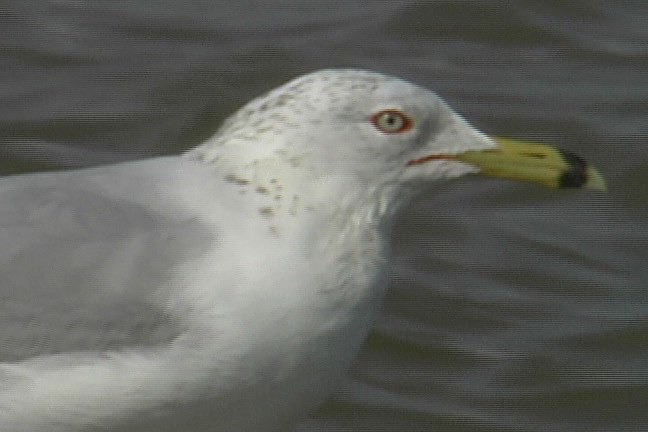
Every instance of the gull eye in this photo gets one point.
(392, 121)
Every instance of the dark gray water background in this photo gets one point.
(513, 308)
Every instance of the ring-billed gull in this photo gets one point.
(227, 289)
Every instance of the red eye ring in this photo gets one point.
(392, 121)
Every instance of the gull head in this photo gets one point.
(367, 131)
(351, 123)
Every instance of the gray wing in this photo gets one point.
(82, 253)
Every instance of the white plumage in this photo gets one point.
(227, 289)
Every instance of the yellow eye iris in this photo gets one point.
(392, 121)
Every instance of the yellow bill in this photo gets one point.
(531, 162)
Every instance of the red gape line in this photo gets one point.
(429, 158)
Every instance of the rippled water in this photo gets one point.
(513, 308)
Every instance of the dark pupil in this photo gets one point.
(391, 120)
